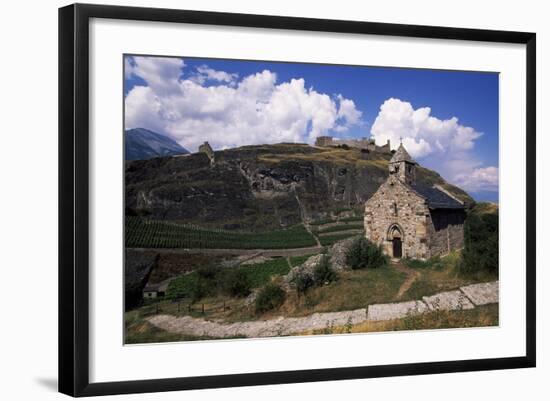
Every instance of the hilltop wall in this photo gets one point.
(363, 143)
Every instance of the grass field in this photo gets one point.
(441, 274)
(353, 289)
(257, 275)
(340, 227)
(298, 260)
(142, 233)
(327, 240)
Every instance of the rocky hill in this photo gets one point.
(260, 187)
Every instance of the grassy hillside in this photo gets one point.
(260, 188)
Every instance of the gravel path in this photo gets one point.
(411, 277)
(467, 297)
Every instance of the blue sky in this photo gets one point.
(448, 119)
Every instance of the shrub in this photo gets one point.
(270, 297)
(480, 243)
(237, 283)
(363, 253)
(323, 272)
(208, 272)
(302, 281)
(188, 286)
(201, 289)
(435, 263)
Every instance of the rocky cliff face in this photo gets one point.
(258, 187)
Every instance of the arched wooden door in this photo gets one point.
(397, 247)
(396, 237)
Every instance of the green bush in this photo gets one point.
(189, 286)
(237, 283)
(362, 253)
(270, 297)
(323, 272)
(303, 282)
(208, 272)
(480, 243)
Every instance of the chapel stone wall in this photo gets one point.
(396, 204)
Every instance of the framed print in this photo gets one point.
(249, 199)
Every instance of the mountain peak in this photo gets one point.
(141, 143)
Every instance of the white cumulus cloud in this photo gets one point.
(448, 143)
(482, 178)
(230, 112)
(422, 133)
(205, 73)
(162, 74)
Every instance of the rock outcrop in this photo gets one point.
(305, 268)
(337, 253)
(258, 187)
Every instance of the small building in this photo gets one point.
(412, 220)
(324, 141)
(156, 290)
(151, 291)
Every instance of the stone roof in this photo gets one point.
(436, 198)
(401, 155)
(151, 287)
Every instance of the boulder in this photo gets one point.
(337, 253)
(305, 268)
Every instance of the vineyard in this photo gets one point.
(340, 227)
(331, 239)
(143, 233)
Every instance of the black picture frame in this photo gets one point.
(74, 198)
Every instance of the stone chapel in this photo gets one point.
(412, 220)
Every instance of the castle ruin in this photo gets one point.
(363, 143)
(208, 151)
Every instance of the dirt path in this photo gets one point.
(467, 297)
(238, 252)
(304, 222)
(288, 262)
(411, 277)
(350, 231)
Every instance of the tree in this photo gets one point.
(480, 243)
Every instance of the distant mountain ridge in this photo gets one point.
(142, 144)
